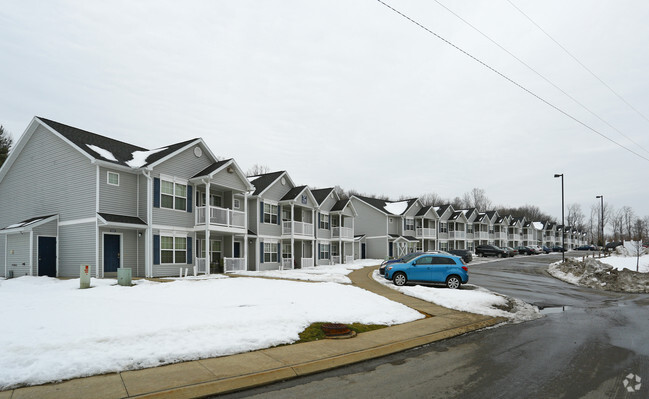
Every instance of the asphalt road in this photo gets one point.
(585, 346)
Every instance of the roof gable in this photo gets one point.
(262, 182)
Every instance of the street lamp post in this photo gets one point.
(563, 224)
(601, 197)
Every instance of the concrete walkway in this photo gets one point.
(229, 373)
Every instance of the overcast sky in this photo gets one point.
(349, 93)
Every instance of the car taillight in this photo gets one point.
(466, 269)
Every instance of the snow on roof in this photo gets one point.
(140, 157)
(537, 225)
(103, 153)
(396, 208)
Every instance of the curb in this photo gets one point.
(233, 384)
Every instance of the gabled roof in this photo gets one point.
(230, 165)
(262, 182)
(28, 224)
(212, 168)
(442, 209)
(321, 194)
(396, 208)
(340, 206)
(469, 212)
(480, 217)
(296, 192)
(491, 214)
(110, 150)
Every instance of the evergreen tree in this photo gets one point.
(5, 144)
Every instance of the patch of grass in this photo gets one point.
(314, 332)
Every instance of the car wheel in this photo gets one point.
(399, 279)
(502, 255)
(453, 282)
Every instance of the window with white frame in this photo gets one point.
(113, 178)
(236, 204)
(443, 227)
(173, 249)
(270, 250)
(324, 251)
(215, 200)
(286, 250)
(469, 245)
(215, 250)
(173, 195)
(335, 221)
(410, 224)
(443, 246)
(324, 221)
(469, 228)
(270, 213)
(335, 251)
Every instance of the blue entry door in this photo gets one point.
(47, 256)
(111, 253)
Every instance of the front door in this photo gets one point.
(111, 253)
(47, 256)
(363, 251)
(237, 249)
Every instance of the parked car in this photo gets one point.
(525, 250)
(465, 254)
(429, 268)
(511, 252)
(402, 259)
(586, 248)
(490, 250)
(536, 248)
(547, 250)
(558, 248)
(612, 245)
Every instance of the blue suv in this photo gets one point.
(429, 268)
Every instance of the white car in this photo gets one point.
(537, 249)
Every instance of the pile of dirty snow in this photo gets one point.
(595, 274)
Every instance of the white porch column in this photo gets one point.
(245, 225)
(293, 234)
(207, 226)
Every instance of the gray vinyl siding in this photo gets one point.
(328, 203)
(131, 250)
(253, 214)
(119, 200)
(76, 247)
(18, 259)
(376, 248)
(277, 191)
(2, 256)
(184, 164)
(268, 229)
(395, 224)
(143, 201)
(230, 180)
(48, 177)
(369, 220)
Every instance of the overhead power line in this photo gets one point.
(580, 63)
(510, 80)
(541, 76)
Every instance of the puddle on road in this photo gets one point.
(553, 309)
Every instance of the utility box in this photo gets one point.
(124, 276)
(84, 273)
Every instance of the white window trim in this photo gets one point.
(270, 204)
(328, 251)
(410, 224)
(323, 216)
(173, 235)
(236, 203)
(273, 246)
(108, 173)
(174, 180)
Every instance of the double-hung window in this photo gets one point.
(173, 250)
(324, 251)
(286, 250)
(443, 227)
(410, 224)
(270, 250)
(173, 194)
(270, 213)
(324, 221)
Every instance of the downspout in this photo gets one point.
(148, 236)
(207, 227)
(97, 225)
(31, 252)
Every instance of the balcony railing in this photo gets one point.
(514, 236)
(456, 234)
(234, 264)
(423, 232)
(501, 235)
(342, 232)
(481, 235)
(200, 264)
(221, 217)
(349, 259)
(287, 263)
(335, 259)
(307, 262)
(297, 228)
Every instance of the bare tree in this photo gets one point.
(639, 228)
(257, 170)
(457, 203)
(433, 199)
(477, 198)
(575, 216)
(628, 220)
(617, 225)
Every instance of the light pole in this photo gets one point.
(563, 225)
(601, 197)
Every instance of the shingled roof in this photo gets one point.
(261, 182)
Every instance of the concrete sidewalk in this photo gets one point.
(229, 373)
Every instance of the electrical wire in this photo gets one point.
(541, 76)
(580, 63)
(510, 80)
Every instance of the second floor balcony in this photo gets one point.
(297, 229)
(457, 234)
(342, 232)
(221, 217)
(422, 232)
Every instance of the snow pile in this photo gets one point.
(631, 248)
(52, 330)
(470, 298)
(140, 157)
(396, 208)
(328, 273)
(595, 274)
(628, 262)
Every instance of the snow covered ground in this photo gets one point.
(52, 330)
(628, 262)
(470, 298)
(329, 273)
